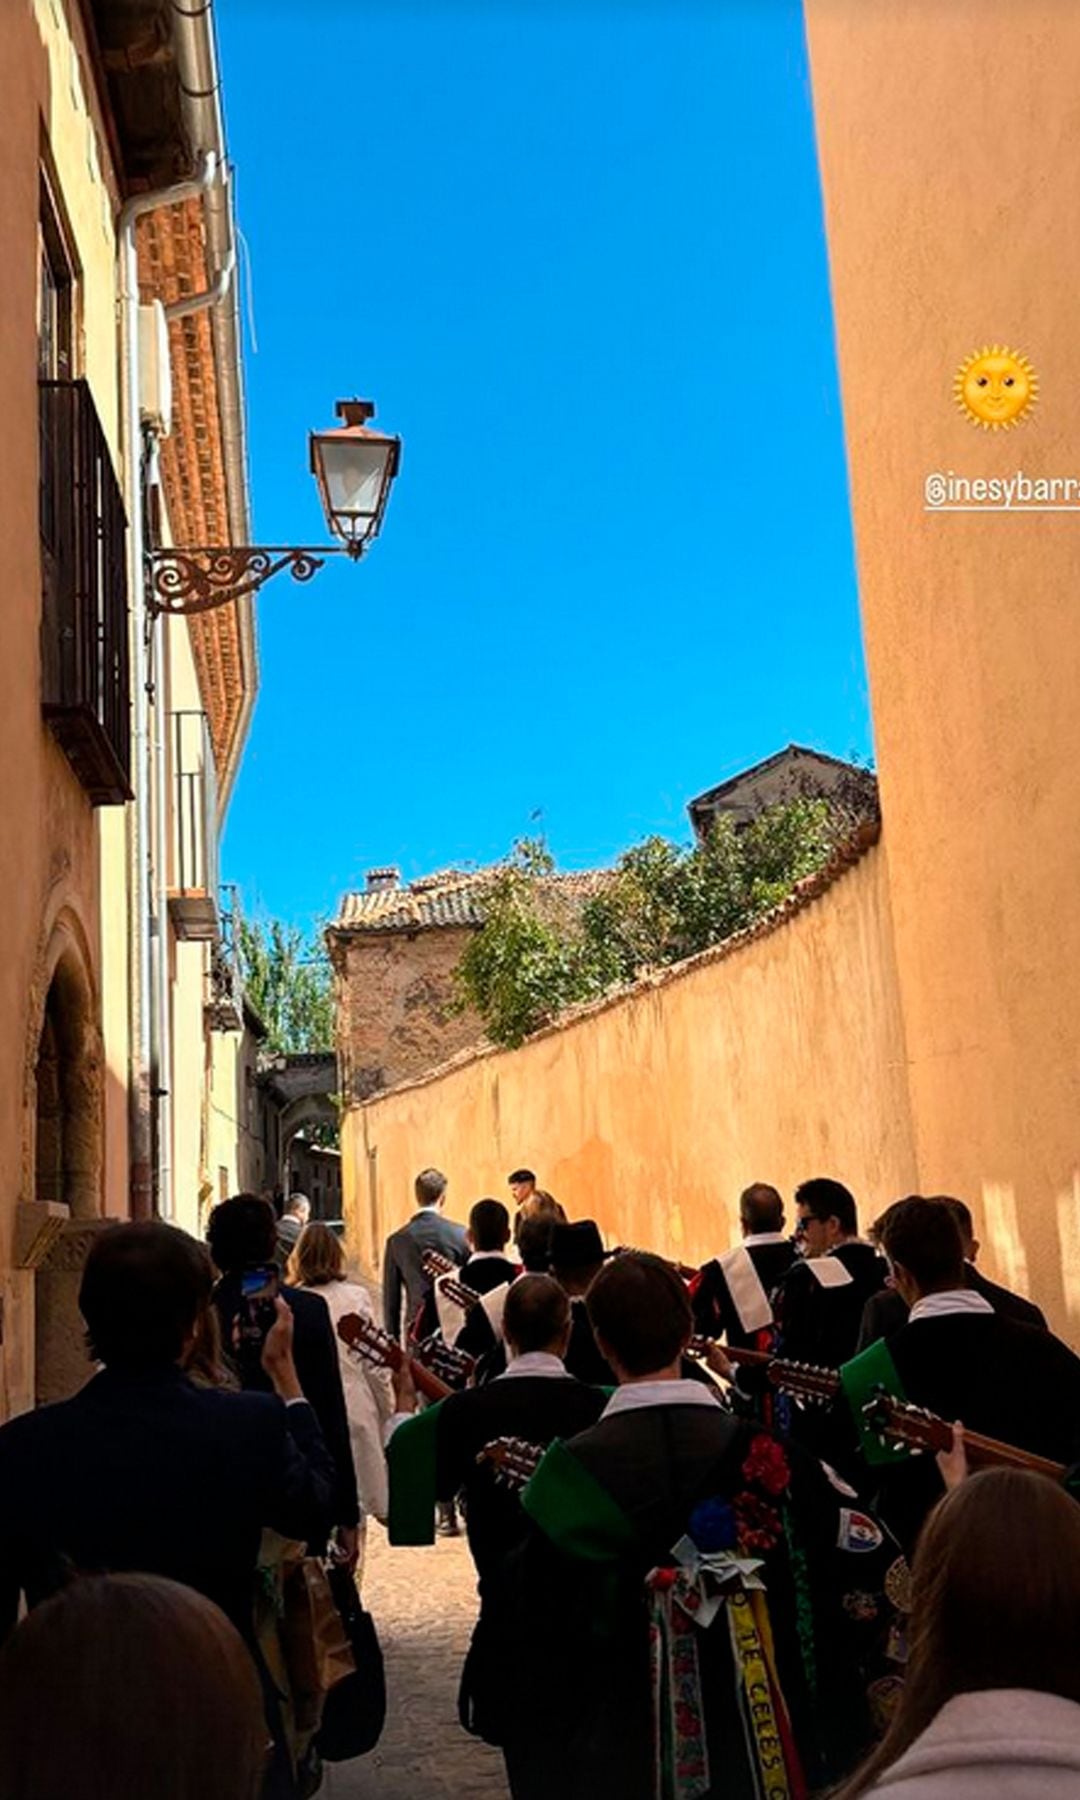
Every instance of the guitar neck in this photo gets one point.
(426, 1383)
(805, 1380)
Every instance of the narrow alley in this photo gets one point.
(424, 1604)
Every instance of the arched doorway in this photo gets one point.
(68, 1127)
(68, 1143)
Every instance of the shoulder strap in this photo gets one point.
(829, 1271)
(748, 1295)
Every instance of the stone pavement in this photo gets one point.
(424, 1605)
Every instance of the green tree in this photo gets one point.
(539, 953)
(288, 979)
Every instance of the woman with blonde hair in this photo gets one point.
(318, 1264)
(991, 1700)
(123, 1687)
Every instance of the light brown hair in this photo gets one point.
(995, 1603)
(129, 1685)
(318, 1258)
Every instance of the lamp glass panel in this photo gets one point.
(354, 472)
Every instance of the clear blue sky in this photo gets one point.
(574, 253)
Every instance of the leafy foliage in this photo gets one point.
(288, 980)
(539, 952)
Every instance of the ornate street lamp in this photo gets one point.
(354, 468)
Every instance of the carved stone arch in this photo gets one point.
(64, 1109)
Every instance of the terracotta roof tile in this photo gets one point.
(453, 897)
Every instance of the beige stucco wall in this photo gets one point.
(61, 868)
(949, 138)
(780, 1060)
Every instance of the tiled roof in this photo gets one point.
(453, 897)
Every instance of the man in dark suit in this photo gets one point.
(964, 1361)
(884, 1313)
(143, 1471)
(242, 1234)
(404, 1279)
(732, 1298)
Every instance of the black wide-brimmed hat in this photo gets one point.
(576, 1246)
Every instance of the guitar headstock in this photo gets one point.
(897, 1422)
(515, 1460)
(458, 1293)
(434, 1264)
(369, 1341)
(814, 1385)
(450, 1365)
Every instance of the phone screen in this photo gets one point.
(259, 1288)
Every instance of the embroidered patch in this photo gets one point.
(858, 1531)
(860, 1605)
(898, 1585)
(884, 1698)
(841, 1486)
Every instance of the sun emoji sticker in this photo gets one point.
(995, 387)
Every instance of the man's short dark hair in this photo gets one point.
(923, 1237)
(761, 1208)
(536, 1314)
(142, 1290)
(533, 1238)
(429, 1187)
(961, 1212)
(520, 1175)
(241, 1231)
(827, 1199)
(639, 1306)
(489, 1223)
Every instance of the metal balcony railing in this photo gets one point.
(85, 678)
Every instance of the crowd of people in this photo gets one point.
(693, 1581)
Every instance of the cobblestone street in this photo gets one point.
(424, 1604)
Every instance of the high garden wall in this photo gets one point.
(772, 1058)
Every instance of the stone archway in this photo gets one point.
(67, 1111)
(309, 1109)
(68, 1126)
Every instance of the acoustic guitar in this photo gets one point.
(515, 1460)
(898, 1422)
(435, 1374)
(442, 1270)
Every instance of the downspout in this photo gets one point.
(146, 938)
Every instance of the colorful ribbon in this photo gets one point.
(682, 1598)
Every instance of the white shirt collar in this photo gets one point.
(660, 1393)
(954, 1300)
(534, 1362)
(479, 1255)
(434, 1207)
(766, 1237)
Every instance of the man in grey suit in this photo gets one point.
(428, 1229)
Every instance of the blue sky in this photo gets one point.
(574, 253)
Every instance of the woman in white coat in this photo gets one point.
(318, 1263)
(991, 1703)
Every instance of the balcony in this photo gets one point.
(193, 874)
(85, 681)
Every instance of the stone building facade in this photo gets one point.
(394, 949)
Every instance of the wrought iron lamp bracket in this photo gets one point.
(188, 580)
